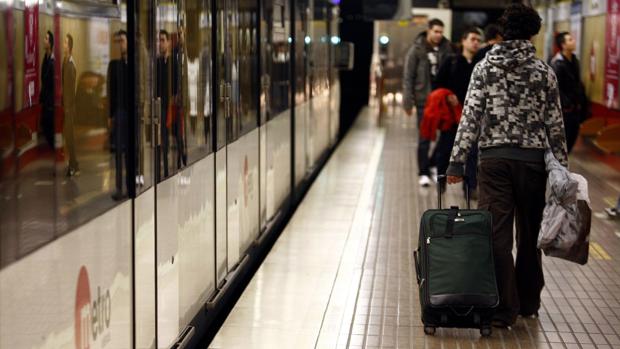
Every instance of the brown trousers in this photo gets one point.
(509, 188)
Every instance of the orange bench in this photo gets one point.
(608, 139)
(592, 126)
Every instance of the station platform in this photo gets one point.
(341, 274)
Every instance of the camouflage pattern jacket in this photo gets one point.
(512, 109)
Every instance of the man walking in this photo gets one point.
(512, 112)
(572, 93)
(421, 67)
(454, 74)
(492, 35)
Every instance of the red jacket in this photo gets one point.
(439, 114)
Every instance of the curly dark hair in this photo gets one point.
(520, 22)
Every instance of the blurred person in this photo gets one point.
(572, 92)
(454, 74)
(46, 95)
(164, 92)
(68, 104)
(118, 89)
(492, 35)
(421, 66)
(512, 112)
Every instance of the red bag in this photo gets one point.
(170, 115)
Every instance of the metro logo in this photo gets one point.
(91, 319)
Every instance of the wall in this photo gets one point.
(592, 46)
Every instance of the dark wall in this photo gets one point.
(355, 84)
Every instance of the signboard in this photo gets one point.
(562, 12)
(31, 55)
(612, 55)
(594, 7)
(98, 45)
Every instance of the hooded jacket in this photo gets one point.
(417, 83)
(512, 109)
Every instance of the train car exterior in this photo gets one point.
(147, 150)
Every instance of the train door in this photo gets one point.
(236, 135)
(175, 205)
(275, 107)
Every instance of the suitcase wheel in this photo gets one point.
(429, 330)
(486, 331)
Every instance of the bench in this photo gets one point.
(608, 139)
(591, 127)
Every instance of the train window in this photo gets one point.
(301, 43)
(183, 83)
(275, 56)
(248, 65)
(64, 119)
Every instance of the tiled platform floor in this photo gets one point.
(341, 274)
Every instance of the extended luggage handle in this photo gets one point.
(445, 179)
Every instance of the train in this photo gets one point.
(148, 150)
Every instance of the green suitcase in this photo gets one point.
(455, 270)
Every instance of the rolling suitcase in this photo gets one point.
(455, 270)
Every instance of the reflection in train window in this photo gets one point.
(248, 65)
(275, 56)
(63, 121)
(183, 86)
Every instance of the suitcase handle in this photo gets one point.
(445, 179)
(416, 263)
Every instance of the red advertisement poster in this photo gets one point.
(31, 55)
(612, 54)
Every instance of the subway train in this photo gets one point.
(148, 149)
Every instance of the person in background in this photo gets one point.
(572, 92)
(512, 112)
(118, 90)
(46, 95)
(454, 74)
(68, 104)
(492, 35)
(421, 66)
(164, 91)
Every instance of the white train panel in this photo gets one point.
(167, 261)
(196, 235)
(242, 197)
(334, 111)
(301, 140)
(278, 161)
(263, 176)
(320, 125)
(221, 214)
(144, 249)
(74, 292)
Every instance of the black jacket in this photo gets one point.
(454, 74)
(572, 93)
(118, 86)
(417, 77)
(46, 96)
